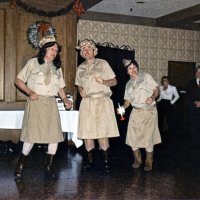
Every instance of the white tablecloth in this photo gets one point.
(12, 119)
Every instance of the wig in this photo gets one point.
(42, 53)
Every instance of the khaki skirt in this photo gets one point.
(41, 122)
(97, 118)
(143, 128)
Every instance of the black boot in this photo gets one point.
(107, 165)
(48, 166)
(20, 166)
(88, 160)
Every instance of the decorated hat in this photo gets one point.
(127, 62)
(46, 39)
(85, 43)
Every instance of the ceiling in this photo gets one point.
(165, 13)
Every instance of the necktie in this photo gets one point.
(199, 82)
(47, 76)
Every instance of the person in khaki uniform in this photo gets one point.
(42, 79)
(140, 92)
(97, 120)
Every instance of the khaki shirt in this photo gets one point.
(86, 73)
(34, 75)
(137, 91)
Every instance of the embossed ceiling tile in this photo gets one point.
(137, 52)
(83, 25)
(164, 32)
(162, 73)
(155, 74)
(197, 56)
(105, 27)
(173, 33)
(144, 41)
(126, 40)
(144, 31)
(163, 43)
(144, 63)
(94, 26)
(94, 36)
(181, 55)
(137, 59)
(104, 37)
(154, 53)
(181, 44)
(163, 64)
(190, 45)
(83, 35)
(126, 29)
(190, 35)
(153, 41)
(163, 53)
(154, 31)
(196, 46)
(135, 40)
(190, 56)
(172, 54)
(153, 63)
(146, 70)
(115, 39)
(135, 30)
(181, 34)
(115, 28)
(173, 43)
(144, 52)
(197, 35)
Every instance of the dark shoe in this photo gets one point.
(49, 173)
(107, 165)
(20, 166)
(88, 160)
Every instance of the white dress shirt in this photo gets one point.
(169, 94)
(198, 81)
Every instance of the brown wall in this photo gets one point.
(15, 51)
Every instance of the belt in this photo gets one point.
(97, 95)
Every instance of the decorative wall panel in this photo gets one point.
(154, 46)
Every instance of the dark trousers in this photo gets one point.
(194, 125)
(165, 110)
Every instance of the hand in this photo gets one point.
(197, 103)
(83, 93)
(33, 96)
(149, 100)
(68, 104)
(99, 80)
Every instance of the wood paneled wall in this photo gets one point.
(15, 51)
(2, 54)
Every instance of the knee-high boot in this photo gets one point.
(20, 166)
(88, 160)
(149, 161)
(48, 166)
(137, 159)
(107, 164)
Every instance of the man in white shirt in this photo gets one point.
(168, 97)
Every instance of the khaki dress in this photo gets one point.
(41, 122)
(96, 114)
(143, 129)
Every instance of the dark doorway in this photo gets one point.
(180, 73)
